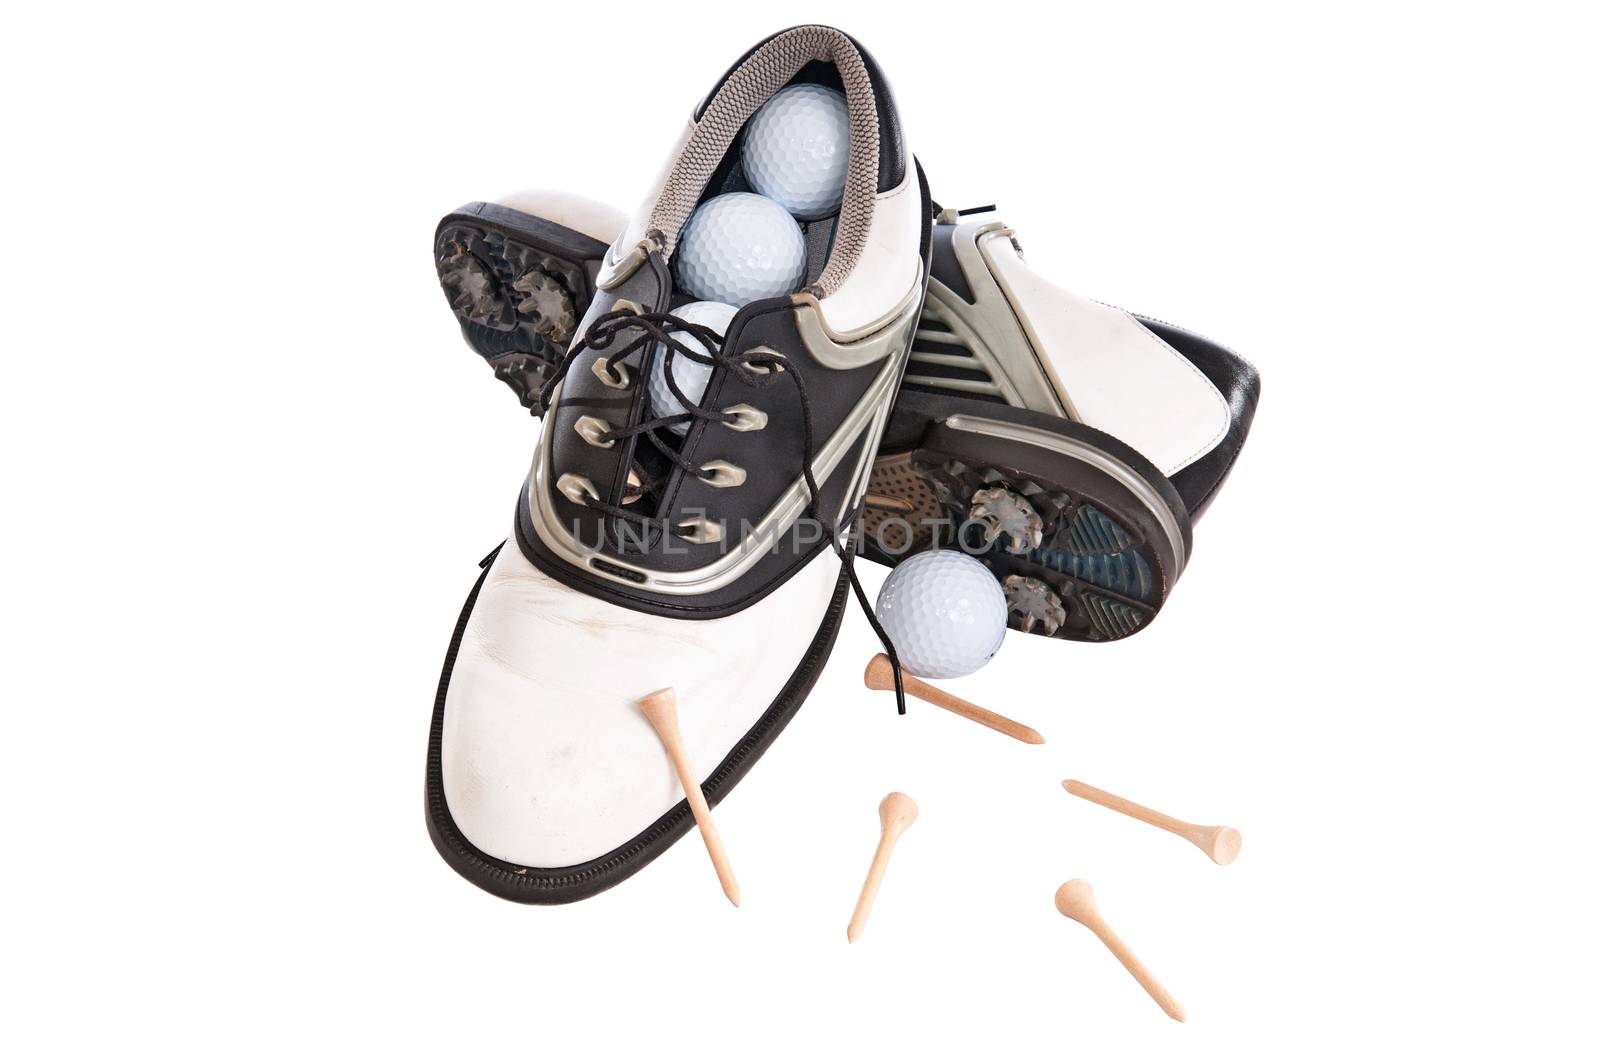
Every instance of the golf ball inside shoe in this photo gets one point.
(690, 376)
(796, 149)
(740, 247)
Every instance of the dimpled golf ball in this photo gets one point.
(740, 247)
(690, 376)
(796, 149)
(945, 613)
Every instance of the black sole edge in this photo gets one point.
(518, 286)
(1100, 561)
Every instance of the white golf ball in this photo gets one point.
(945, 613)
(690, 376)
(797, 147)
(740, 247)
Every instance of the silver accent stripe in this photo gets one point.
(860, 347)
(1114, 467)
(971, 387)
(1045, 370)
(958, 361)
(940, 312)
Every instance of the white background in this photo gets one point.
(251, 466)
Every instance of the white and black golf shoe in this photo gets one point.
(1067, 443)
(703, 549)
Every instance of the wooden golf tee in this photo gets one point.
(880, 676)
(661, 709)
(1220, 843)
(896, 812)
(1075, 900)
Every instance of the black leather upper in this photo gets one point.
(771, 458)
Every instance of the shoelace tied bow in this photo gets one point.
(758, 369)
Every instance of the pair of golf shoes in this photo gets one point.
(925, 389)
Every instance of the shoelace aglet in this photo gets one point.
(847, 557)
(899, 679)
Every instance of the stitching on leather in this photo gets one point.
(885, 202)
(1196, 335)
(885, 197)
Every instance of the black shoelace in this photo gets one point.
(759, 370)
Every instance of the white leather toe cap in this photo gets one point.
(546, 761)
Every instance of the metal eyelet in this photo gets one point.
(719, 473)
(579, 489)
(700, 531)
(627, 304)
(591, 429)
(762, 370)
(746, 418)
(619, 381)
